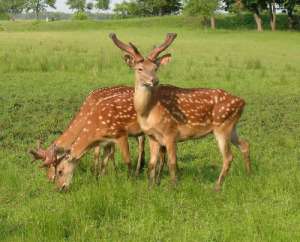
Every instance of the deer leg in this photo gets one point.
(112, 156)
(97, 162)
(141, 156)
(223, 140)
(172, 160)
(122, 142)
(243, 146)
(108, 154)
(162, 161)
(154, 151)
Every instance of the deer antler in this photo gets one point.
(39, 153)
(156, 51)
(130, 49)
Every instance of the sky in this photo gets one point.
(61, 6)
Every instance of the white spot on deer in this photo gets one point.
(103, 122)
(80, 114)
(98, 129)
(89, 121)
(233, 101)
(100, 117)
(85, 130)
(216, 99)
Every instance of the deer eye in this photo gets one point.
(140, 69)
(60, 172)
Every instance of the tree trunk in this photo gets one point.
(213, 22)
(272, 11)
(290, 19)
(258, 20)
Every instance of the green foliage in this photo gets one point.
(78, 5)
(102, 4)
(11, 7)
(147, 7)
(44, 78)
(80, 16)
(38, 6)
(203, 8)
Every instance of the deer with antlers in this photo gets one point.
(169, 114)
(101, 120)
(57, 150)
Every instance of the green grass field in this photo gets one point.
(45, 76)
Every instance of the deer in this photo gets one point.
(169, 114)
(63, 143)
(103, 121)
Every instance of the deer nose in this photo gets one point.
(63, 188)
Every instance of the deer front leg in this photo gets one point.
(154, 152)
(122, 142)
(108, 154)
(97, 162)
(141, 156)
(172, 160)
(161, 163)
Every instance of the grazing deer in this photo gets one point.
(63, 143)
(168, 114)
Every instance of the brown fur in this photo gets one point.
(170, 114)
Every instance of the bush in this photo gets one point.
(4, 16)
(80, 16)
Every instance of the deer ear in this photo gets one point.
(129, 60)
(163, 60)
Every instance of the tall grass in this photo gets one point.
(44, 77)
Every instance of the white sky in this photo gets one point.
(61, 6)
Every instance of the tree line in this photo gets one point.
(206, 9)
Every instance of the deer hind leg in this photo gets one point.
(122, 142)
(141, 156)
(243, 146)
(223, 139)
(161, 163)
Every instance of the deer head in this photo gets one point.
(145, 68)
(64, 172)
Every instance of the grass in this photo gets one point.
(44, 77)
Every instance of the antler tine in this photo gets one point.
(36, 155)
(130, 49)
(38, 144)
(156, 51)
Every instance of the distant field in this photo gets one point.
(44, 77)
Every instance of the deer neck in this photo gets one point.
(144, 99)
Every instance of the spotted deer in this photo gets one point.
(169, 114)
(56, 151)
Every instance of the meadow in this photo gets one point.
(45, 74)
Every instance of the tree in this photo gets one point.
(89, 6)
(158, 7)
(147, 7)
(204, 8)
(290, 5)
(12, 7)
(127, 9)
(38, 6)
(102, 4)
(78, 5)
